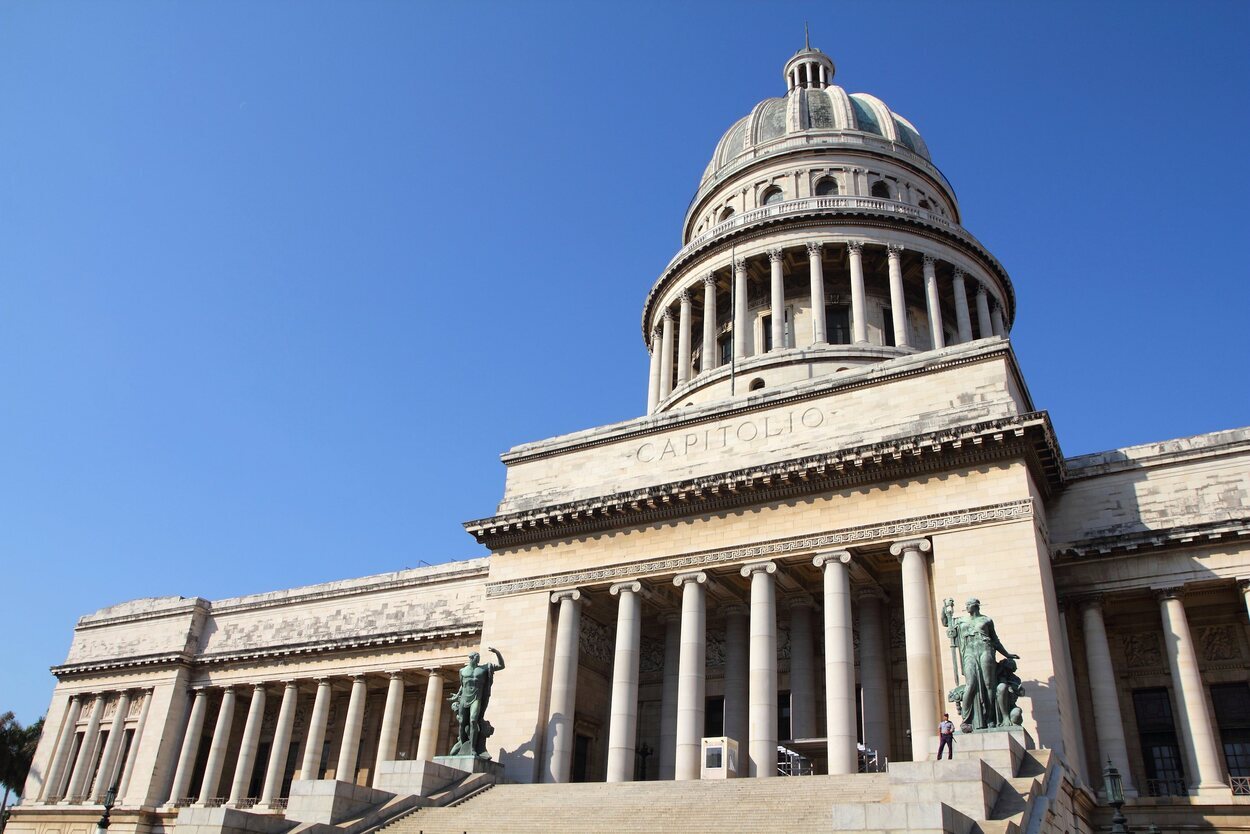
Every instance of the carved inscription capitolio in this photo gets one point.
(746, 432)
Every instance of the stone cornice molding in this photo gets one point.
(1010, 511)
(1231, 531)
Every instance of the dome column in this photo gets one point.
(776, 265)
(707, 361)
(859, 321)
(996, 320)
(740, 309)
(963, 318)
(934, 303)
(817, 267)
(666, 356)
(653, 383)
(683, 339)
(898, 303)
(983, 312)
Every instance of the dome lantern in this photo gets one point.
(809, 68)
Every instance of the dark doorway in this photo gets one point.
(581, 758)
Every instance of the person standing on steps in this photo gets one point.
(946, 737)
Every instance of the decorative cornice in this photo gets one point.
(1152, 540)
(795, 545)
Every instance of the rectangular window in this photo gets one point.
(887, 327)
(726, 345)
(783, 715)
(767, 323)
(1165, 773)
(838, 324)
(1232, 716)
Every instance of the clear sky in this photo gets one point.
(279, 281)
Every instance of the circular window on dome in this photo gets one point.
(757, 384)
(827, 187)
(771, 196)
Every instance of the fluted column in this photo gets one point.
(217, 747)
(709, 357)
(666, 355)
(78, 778)
(923, 703)
(431, 717)
(802, 670)
(737, 691)
(623, 726)
(249, 746)
(683, 337)
(181, 788)
(653, 381)
(741, 334)
(963, 318)
(859, 318)
(839, 663)
(691, 674)
(563, 686)
(128, 767)
(1197, 731)
(280, 750)
(983, 312)
(874, 670)
(310, 768)
(668, 695)
(388, 740)
(349, 747)
(762, 746)
(1108, 724)
(996, 321)
(816, 267)
(108, 759)
(776, 264)
(56, 773)
(898, 303)
(933, 303)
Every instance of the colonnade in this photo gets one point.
(80, 770)
(750, 670)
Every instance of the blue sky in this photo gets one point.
(281, 280)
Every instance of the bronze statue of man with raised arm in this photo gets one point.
(469, 704)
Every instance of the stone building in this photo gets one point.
(838, 438)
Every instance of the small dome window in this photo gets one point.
(757, 384)
(771, 196)
(880, 189)
(826, 187)
(924, 204)
(726, 214)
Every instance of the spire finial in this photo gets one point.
(807, 41)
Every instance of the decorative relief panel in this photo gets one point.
(898, 638)
(715, 651)
(136, 706)
(1141, 650)
(597, 642)
(110, 709)
(652, 655)
(1218, 643)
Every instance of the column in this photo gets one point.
(709, 355)
(1197, 733)
(934, 303)
(737, 691)
(1077, 758)
(217, 747)
(802, 670)
(859, 320)
(996, 320)
(740, 335)
(623, 726)
(1108, 725)
(762, 711)
(839, 663)
(349, 747)
(311, 766)
(874, 670)
(923, 702)
(563, 686)
(816, 267)
(983, 312)
(388, 740)
(666, 355)
(963, 319)
(668, 696)
(653, 381)
(129, 765)
(1244, 585)
(79, 780)
(431, 717)
(898, 303)
(69, 731)
(281, 747)
(181, 788)
(683, 338)
(248, 747)
(108, 759)
(776, 264)
(691, 674)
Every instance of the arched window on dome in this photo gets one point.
(826, 187)
(881, 189)
(924, 204)
(771, 196)
(757, 384)
(726, 214)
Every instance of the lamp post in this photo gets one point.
(110, 797)
(1113, 786)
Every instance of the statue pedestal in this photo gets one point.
(472, 764)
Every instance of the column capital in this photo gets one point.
(917, 545)
(572, 594)
(395, 674)
(814, 247)
(843, 557)
(775, 255)
(357, 676)
(657, 333)
(686, 298)
(1164, 594)
(893, 250)
(709, 280)
(800, 600)
(698, 577)
(876, 592)
(1243, 585)
(758, 567)
(740, 264)
(1082, 601)
(667, 316)
(929, 261)
(735, 609)
(633, 586)
(855, 247)
(981, 290)
(958, 274)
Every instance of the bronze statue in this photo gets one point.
(987, 697)
(469, 704)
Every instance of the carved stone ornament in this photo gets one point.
(814, 247)
(1218, 643)
(855, 247)
(1141, 650)
(651, 655)
(775, 255)
(686, 298)
(929, 261)
(597, 641)
(893, 250)
(740, 265)
(709, 280)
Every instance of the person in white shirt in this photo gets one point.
(946, 737)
